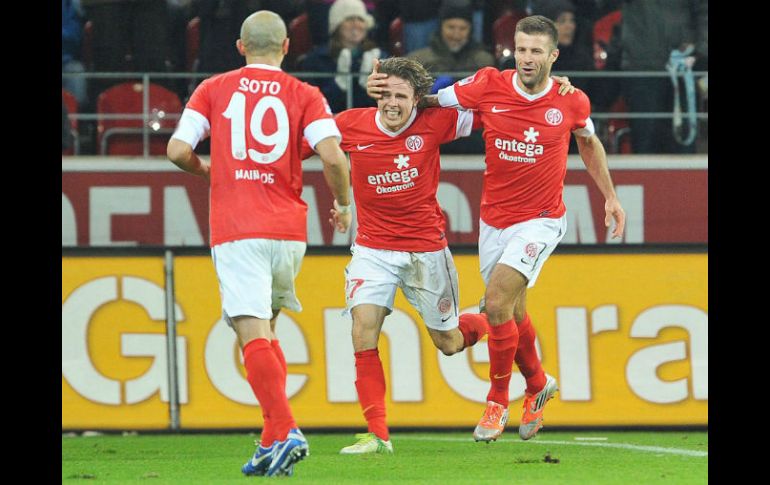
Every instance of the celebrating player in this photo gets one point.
(401, 242)
(257, 116)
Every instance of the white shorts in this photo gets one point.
(256, 276)
(524, 246)
(428, 280)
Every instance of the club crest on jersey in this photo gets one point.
(554, 117)
(414, 143)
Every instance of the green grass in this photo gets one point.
(419, 458)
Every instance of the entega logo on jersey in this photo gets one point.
(530, 150)
(402, 176)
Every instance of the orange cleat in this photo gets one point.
(492, 422)
(532, 419)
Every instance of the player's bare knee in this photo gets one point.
(448, 348)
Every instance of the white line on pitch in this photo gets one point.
(624, 446)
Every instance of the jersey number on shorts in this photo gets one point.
(357, 282)
(236, 113)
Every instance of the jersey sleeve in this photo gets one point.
(453, 123)
(194, 124)
(584, 125)
(466, 93)
(318, 122)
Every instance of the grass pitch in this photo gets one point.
(553, 458)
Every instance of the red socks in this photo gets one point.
(503, 340)
(527, 359)
(370, 384)
(267, 378)
(473, 326)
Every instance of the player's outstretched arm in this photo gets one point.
(595, 159)
(183, 156)
(337, 177)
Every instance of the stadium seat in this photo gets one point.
(300, 41)
(396, 37)
(618, 130)
(72, 108)
(503, 32)
(192, 43)
(124, 136)
(602, 34)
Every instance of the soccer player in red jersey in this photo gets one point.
(400, 242)
(527, 128)
(257, 117)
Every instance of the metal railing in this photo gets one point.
(150, 126)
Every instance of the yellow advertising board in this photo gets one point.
(626, 335)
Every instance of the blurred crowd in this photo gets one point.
(450, 37)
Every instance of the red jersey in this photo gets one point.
(257, 117)
(395, 176)
(527, 139)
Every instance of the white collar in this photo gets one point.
(526, 95)
(394, 134)
(265, 66)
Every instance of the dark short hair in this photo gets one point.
(409, 70)
(537, 24)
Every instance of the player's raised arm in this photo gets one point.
(337, 175)
(595, 159)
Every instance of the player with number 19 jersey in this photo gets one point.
(527, 139)
(257, 116)
(395, 176)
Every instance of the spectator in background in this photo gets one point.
(348, 50)
(71, 38)
(649, 32)
(419, 18)
(129, 36)
(451, 47)
(221, 25)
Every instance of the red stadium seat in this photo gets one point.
(72, 108)
(618, 130)
(193, 42)
(396, 37)
(300, 41)
(601, 36)
(124, 137)
(503, 30)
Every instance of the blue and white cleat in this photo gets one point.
(260, 462)
(288, 452)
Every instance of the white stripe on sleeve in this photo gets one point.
(464, 123)
(587, 130)
(192, 128)
(447, 97)
(320, 129)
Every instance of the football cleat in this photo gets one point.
(368, 443)
(532, 419)
(492, 423)
(260, 462)
(288, 452)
